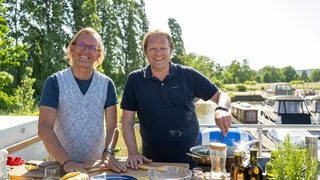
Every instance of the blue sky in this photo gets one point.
(270, 32)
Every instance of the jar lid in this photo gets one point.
(218, 146)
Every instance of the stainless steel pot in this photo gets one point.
(201, 153)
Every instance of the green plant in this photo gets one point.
(293, 163)
(241, 87)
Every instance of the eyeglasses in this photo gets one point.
(83, 46)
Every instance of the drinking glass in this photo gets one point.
(52, 173)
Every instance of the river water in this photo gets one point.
(205, 110)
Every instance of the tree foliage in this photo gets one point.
(35, 33)
(315, 75)
(176, 35)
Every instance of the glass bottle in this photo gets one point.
(3, 164)
(237, 170)
(253, 170)
(269, 172)
(235, 165)
(218, 153)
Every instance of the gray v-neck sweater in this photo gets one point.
(80, 118)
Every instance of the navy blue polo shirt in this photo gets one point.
(166, 110)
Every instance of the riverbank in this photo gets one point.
(246, 96)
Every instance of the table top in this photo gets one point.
(20, 172)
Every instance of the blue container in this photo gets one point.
(234, 136)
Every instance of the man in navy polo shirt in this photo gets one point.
(163, 95)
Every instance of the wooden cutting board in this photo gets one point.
(20, 172)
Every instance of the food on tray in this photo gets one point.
(31, 167)
(75, 176)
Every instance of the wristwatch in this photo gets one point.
(223, 108)
(108, 150)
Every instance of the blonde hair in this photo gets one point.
(153, 32)
(87, 30)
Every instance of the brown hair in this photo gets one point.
(87, 30)
(153, 32)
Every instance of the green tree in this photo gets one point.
(176, 34)
(270, 74)
(315, 75)
(45, 31)
(234, 71)
(246, 73)
(11, 57)
(304, 76)
(289, 73)
(85, 15)
(122, 32)
(24, 93)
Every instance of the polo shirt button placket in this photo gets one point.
(162, 84)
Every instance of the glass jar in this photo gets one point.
(218, 153)
(3, 164)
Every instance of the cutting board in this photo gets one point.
(20, 172)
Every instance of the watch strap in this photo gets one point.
(223, 108)
(108, 150)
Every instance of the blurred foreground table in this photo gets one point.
(20, 172)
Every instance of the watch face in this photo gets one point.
(109, 150)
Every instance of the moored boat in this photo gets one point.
(286, 110)
(313, 105)
(244, 113)
(19, 136)
(278, 89)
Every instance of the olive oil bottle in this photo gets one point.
(269, 169)
(253, 170)
(237, 170)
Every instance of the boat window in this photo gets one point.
(283, 89)
(315, 106)
(276, 107)
(293, 107)
(251, 116)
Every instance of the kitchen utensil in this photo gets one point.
(113, 176)
(221, 138)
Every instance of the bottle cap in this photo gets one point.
(237, 152)
(253, 151)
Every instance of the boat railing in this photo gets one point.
(262, 127)
(258, 128)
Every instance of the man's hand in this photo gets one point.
(133, 162)
(109, 161)
(223, 120)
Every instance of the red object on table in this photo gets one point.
(14, 161)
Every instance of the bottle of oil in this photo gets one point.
(253, 170)
(269, 171)
(237, 171)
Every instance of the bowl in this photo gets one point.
(169, 172)
(201, 155)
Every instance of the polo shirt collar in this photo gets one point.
(172, 72)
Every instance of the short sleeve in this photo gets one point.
(50, 93)
(112, 98)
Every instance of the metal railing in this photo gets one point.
(261, 127)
